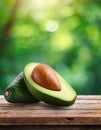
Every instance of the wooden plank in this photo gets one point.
(50, 117)
(45, 127)
(89, 97)
(79, 104)
(42, 106)
(85, 111)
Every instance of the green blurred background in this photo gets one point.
(66, 34)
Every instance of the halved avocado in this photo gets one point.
(17, 91)
(65, 97)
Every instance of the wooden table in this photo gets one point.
(85, 114)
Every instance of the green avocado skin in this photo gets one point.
(19, 92)
(49, 99)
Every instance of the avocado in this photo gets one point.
(65, 97)
(17, 91)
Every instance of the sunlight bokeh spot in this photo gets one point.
(62, 41)
(52, 26)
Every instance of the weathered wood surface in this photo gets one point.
(86, 111)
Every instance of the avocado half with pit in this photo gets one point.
(66, 96)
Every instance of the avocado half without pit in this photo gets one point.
(47, 85)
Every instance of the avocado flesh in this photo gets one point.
(18, 92)
(65, 97)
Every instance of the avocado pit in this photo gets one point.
(46, 77)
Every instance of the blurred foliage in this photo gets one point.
(65, 34)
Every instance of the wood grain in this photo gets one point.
(86, 111)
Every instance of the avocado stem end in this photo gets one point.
(7, 93)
